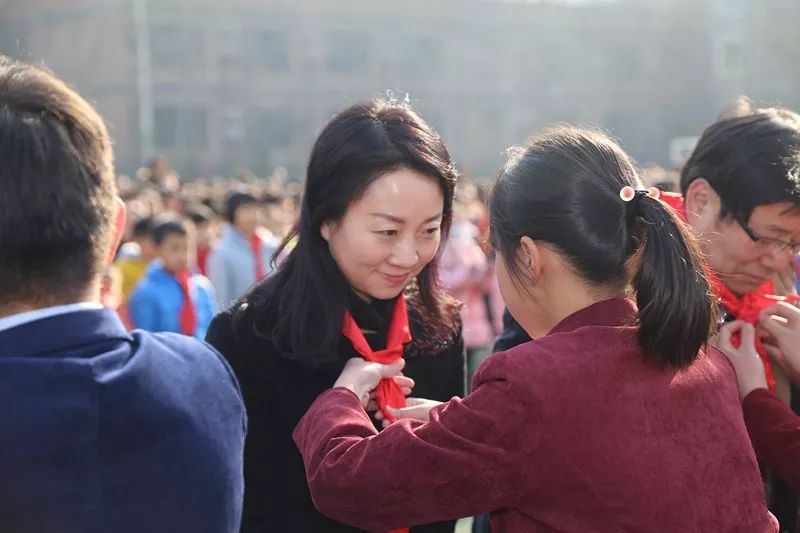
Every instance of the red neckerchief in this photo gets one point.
(187, 317)
(747, 307)
(255, 246)
(388, 393)
(202, 260)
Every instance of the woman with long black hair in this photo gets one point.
(360, 281)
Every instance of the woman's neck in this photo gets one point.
(362, 295)
(546, 310)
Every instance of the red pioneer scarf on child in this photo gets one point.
(747, 307)
(187, 318)
(255, 246)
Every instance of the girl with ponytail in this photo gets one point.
(617, 417)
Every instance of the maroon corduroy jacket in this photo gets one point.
(573, 432)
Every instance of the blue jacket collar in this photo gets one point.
(62, 332)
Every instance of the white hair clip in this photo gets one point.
(628, 193)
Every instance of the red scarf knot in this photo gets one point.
(388, 393)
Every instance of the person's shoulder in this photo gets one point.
(233, 332)
(147, 288)
(174, 352)
(187, 366)
(130, 265)
(713, 365)
(221, 248)
(202, 282)
(268, 238)
(221, 327)
(561, 354)
(184, 346)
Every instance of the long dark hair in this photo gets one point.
(563, 188)
(300, 307)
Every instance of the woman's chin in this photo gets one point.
(381, 293)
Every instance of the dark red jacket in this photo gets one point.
(575, 431)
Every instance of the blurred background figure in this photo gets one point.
(468, 274)
(242, 256)
(134, 256)
(205, 224)
(170, 297)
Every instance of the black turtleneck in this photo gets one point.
(373, 318)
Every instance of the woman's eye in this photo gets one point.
(388, 232)
(432, 231)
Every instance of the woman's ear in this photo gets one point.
(530, 257)
(325, 230)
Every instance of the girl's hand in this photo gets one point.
(361, 377)
(749, 369)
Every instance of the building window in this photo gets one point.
(166, 126)
(181, 127)
(729, 58)
(174, 46)
(269, 50)
(270, 127)
(347, 52)
(232, 124)
(423, 55)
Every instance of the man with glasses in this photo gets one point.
(741, 195)
(741, 191)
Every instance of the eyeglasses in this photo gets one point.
(775, 245)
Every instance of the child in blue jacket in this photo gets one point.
(170, 297)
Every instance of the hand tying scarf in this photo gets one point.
(388, 393)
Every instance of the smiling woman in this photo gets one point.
(388, 236)
(360, 280)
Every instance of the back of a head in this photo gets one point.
(750, 156)
(563, 188)
(57, 189)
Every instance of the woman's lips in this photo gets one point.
(398, 279)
